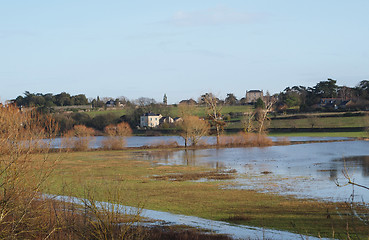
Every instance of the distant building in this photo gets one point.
(335, 103)
(110, 103)
(189, 102)
(166, 120)
(253, 95)
(150, 120)
(113, 103)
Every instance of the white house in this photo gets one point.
(150, 120)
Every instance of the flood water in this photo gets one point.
(164, 218)
(139, 141)
(308, 170)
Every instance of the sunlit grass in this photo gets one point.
(326, 122)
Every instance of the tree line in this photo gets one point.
(308, 98)
(50, 100)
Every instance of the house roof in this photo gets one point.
(151, 114)
(258, 91)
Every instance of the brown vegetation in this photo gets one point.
(165, 144)
(246, 140)
(116, 136)
(213, 175)
(78, 138)
(193, 129)
(21, 135)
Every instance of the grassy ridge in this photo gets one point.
(310, 121)
(173, 111)
(135, 176)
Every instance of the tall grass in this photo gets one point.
(246, 139)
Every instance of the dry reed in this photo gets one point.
(245, 140)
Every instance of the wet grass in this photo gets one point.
(211, 175)
(208, 199)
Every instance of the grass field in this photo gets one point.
(138, 181)
(313, 121)
(173, 111)
(320, 122)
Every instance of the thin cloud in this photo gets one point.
(213, 16)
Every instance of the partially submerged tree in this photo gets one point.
(214, 113)
(192, 129)
(116, 135)
(263, 116)
(257, 120)
(78, 138)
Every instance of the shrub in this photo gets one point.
(21, 135)
(246, 139)
(116, 136)
(78, 138)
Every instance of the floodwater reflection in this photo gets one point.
(304, 170)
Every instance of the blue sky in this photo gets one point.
(181, 48)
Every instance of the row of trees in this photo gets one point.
(291, 96)
(307, 98)
(50, 100)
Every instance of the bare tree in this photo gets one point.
(257, 121)
(248, 122)
(214, 112)
(263, 115)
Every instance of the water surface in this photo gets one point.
(305, 170)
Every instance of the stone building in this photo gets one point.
(253, 95)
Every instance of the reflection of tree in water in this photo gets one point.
(191, 158)
(162, 156)
(361, 161)
(351, 163)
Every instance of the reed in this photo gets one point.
(246, 140)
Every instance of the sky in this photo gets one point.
(179, 48)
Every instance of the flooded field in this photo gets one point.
(139, 141)
(310, 170)
(306, 170)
